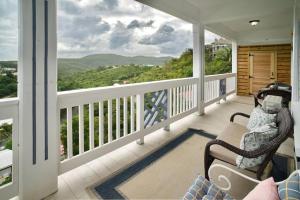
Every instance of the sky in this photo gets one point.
(123, 27)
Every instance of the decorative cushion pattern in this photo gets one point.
(272, 104)
(203, 189)
(258, 118)
(252, 141)
(266, 190)
(290, 189)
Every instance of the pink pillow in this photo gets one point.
(265, 190)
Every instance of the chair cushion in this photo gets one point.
(258, 118)
(290, 189)
(232, 135)
(254, 140)
(203, 189)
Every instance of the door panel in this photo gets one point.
(262, 70)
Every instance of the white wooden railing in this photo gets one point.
(125, 113)
(99, 120)
(217, 87)
(9, 114)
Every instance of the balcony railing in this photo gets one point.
(9, 110)
(99, 120)
(94, 122)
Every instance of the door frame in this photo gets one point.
(273, 74)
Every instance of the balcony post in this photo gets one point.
(234, 56)
(38, 160)
(199, 64)
(234, 61)
(140, 117)
(295, 72)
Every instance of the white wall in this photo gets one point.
(296, 76)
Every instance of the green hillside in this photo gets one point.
(101, 77)
(175, 68)
(68, 66)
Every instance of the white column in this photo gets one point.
(234, 57)
(295, 70)
(234, 61)
(37, 93)
(199, 63)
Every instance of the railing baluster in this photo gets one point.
(69, 132)
(110, 137)
(132, 114)
(91, 125)
(186, 97)
(101, 124)
(174, 102)
(140, 116)
(81, 128)
(183, 98)
(180, 109)
(118, 118)
(177, 101)
(125, 127)
(190, 97)
(170, 101)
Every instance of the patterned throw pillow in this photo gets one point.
(252, 141)
(202, 189)
(290, 189)
(258, 118)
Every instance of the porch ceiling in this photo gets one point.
(230, 17)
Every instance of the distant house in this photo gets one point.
(216, 45)
(5, 165)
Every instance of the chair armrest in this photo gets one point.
(248, 154)
(238, 113)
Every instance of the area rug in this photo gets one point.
(165, 173)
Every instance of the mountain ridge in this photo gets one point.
(67, 66)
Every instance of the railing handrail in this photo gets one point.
(79, 97)
(219, 76)
(9, 102)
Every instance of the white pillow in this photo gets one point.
(258, 118)
(252, 141)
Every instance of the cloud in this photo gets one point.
(164, 34)
(107, 5)
(81, 28)
(120, 36)
(182, 41)
(86, 27)
(69, 7)
(139, 24)
(169, 40)
(111, 4)
(8, 30)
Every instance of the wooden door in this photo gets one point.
(262, 70)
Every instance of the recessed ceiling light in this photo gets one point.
(254, 22)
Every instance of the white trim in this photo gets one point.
(77, 97)
(219, 76)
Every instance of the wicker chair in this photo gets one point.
(226, 147)
(274, 89)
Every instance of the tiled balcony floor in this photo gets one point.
(74, 184)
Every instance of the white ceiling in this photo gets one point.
(230, 17)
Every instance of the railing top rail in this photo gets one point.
(219, 76)
(9, 102)
(83, 96)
